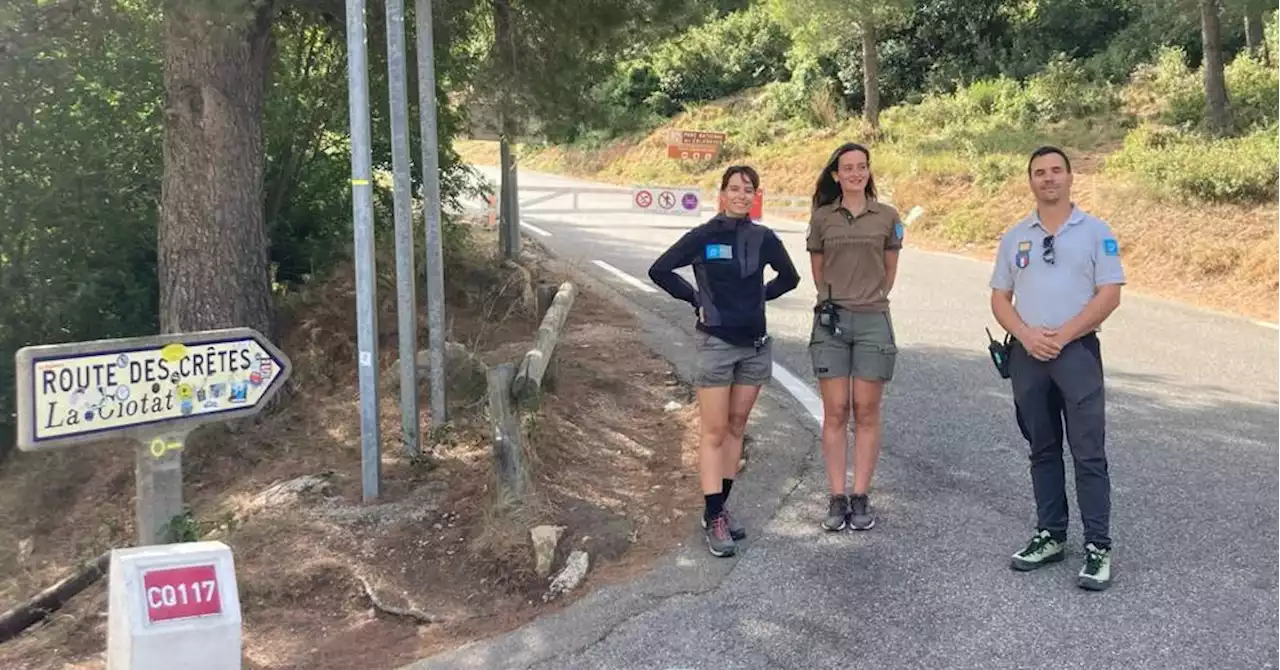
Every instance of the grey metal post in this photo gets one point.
(515, 204)
(431, 205)
(362, 211)
(504, 198)
(406, 298)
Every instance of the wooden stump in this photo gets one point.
(508, 448)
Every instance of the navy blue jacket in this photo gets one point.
(728, 256)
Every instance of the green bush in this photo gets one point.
(740, 50)
(1241, 169)
(1063, 91)
(1251, 91)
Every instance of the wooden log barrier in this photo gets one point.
(527, 386)
(50, 600)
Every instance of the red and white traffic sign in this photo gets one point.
(173, 601)
(678, 200)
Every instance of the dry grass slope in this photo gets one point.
(1215, 255)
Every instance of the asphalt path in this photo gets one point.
(1192, 445)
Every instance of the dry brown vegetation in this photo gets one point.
(1220, 256)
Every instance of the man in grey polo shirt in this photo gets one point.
(1057, 277)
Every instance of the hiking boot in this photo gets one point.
(1042, 550)
(860, 517)
(837, 513)
(1096, 573)
(736, 531)
(719, 541)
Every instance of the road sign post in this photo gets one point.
(154, 390)
(406, 278)
(173, 606)
(366, 271)
(423, 27)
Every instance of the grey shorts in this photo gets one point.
(722, 364)
(868, 349)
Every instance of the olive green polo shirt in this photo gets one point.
(853, 250)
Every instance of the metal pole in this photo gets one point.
(431, 204)
(362, 211)
(515, 205)
(406, 298)
(504, 204)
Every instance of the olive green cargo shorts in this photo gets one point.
(722, 364)
(867, 348)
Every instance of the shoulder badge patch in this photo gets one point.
(899, 230)
(1110, 247)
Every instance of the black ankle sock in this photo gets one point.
(715, 505)
(726, 485)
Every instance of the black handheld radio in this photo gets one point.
(828, 315)
(1000, 353)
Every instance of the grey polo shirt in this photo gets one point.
(1085, 256)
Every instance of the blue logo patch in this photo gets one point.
(899, 230)
(719, 252)
(1110, 247)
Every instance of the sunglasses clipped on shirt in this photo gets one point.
(1048, 255)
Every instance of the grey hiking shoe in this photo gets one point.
(736, 531)
(1040, 551)
(1096, 573)
(719, 541)
(860, 517)
(837, 513)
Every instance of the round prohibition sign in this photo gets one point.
(644, 199)
(666, 200)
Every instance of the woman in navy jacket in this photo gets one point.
(728, 255)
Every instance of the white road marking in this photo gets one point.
(626, 277)
(535, 229)
(1264, 324)
(797, 388)
(800, 391)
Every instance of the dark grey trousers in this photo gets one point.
(1070, 388)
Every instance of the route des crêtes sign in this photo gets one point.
(86, 391)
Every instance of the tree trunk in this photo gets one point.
(1253, 35)
(212, 238)
(870, 75)
(1215, 88)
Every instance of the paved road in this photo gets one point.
(1193, 450)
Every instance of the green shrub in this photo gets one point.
(1251, 91)
(740, 50)
(1063, 91)
(1242, 169)
(807, 99)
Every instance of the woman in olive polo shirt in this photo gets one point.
(853, 243)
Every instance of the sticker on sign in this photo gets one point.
(87, 391)
(676, 200)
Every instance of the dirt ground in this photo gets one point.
(610, 463)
